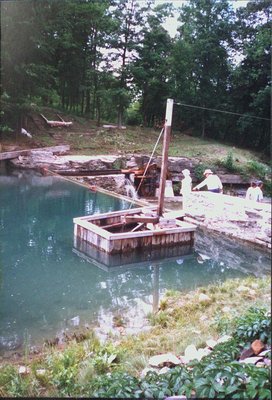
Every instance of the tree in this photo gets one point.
(129, 21)
(200, 60)
(251, 92)
(78, 34)
(151, 68)
(25, 68)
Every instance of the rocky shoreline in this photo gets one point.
(225, 214)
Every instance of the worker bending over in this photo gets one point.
(212, 182)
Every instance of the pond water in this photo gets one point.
(47, 288)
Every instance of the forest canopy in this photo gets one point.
(113, 60)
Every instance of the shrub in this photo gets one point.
(161, 318)
(258, 169)
(228, 162)
(198, 171)
(255, 324)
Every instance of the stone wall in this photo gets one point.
(112, 183)
(233, 216)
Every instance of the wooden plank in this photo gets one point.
(8, 155)
(113, 214)
(88, 226)
(137, 227)
(115, 225)
(82, 172)
(174, 214)
(166, 140)
(57, 123)
(114, 127)
(147, 233)
(141, 218)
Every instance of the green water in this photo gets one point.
(46, 288)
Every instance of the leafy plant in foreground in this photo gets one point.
(255, 324)
(232, 380)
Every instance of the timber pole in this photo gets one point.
(166, 140)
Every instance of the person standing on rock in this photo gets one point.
(260, 191)
(212, 181)
(186, 187)
(254, 192)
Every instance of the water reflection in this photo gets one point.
(46, 288)
(134, 258)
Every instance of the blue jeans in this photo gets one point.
(214, 190)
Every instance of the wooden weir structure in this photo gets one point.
(138, 228)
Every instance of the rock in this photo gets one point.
(164, 370)
(267, 361)
(265, 352)
(251, 360)
(246, 353)
(257, 346)
(146, 370)
(75, 321)
(190, 353)
(242, 289)
(203, 298)
(211, 343)
(164, 360)
(23, 370)
(204, 257)
(260, 364)
(203, 352)
(224, 339)
(232, 216)
(254, 285)
(40, 372)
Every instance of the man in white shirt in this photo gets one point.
(212, 182)
(254, 192)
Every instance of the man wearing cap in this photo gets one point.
(212, 182)
(254, 192)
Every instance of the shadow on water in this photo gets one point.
(46, 288)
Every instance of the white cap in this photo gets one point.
(185, 172)
(207, 171)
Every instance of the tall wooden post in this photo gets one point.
(166, 140)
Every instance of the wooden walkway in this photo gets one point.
(9, 155)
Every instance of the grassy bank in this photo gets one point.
(85, 138)
(89, 368)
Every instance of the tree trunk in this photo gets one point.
(88, 100)
(203, 132)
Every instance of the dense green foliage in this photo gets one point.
(99, 58)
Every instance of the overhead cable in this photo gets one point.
(222, 111)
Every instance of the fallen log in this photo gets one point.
(114, 127)
(53, 124)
